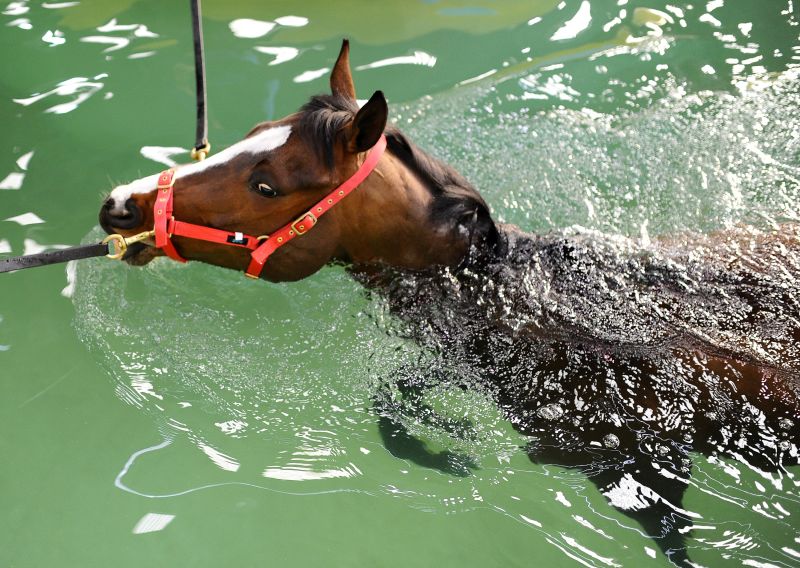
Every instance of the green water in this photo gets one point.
(180, 416)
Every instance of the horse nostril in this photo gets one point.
(127, 217)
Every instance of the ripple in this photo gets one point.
(249, 28)
(29, 218)
(418, 58)
(80, 88)
(282, 54)
(575, 25)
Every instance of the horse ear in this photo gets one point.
(341, 78)
(368, 124)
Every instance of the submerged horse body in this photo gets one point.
(612, 356)
(618, 359)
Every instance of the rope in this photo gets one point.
(53, 257)
(201, 146)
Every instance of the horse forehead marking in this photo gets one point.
(265, 141)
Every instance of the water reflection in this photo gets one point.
(575, 25)
(79, 88)
(418, 58)
(21, 23)
(16, 8)
(248, 28)
(311, 75)
(692, 161)
(152, 522)
(282, 54)
(54, 38)
(163, 154)
(14, 180)
(29, 218)
(118, 42)
(58, 5)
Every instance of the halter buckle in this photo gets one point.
(304, 223)
(169, 185)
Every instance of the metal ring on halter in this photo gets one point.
(118, 244)
(199, 154)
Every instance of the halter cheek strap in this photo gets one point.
(264, 246)
(162, 214)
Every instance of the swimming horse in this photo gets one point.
(614, 357)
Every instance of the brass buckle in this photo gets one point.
(296, 227)
(171, 181)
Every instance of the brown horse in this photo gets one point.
(614, 357)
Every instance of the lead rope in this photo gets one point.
(201, 146)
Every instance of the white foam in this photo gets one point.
(71, 271)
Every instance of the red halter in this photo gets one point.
(263, 246)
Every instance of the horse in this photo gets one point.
(615, 357)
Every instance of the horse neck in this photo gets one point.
(389, 221)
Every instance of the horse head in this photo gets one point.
(409, 212)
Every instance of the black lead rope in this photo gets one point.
(201, 145)
(53, 257)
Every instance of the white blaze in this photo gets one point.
(262, 142)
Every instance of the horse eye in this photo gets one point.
(266, 190)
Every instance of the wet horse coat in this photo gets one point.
(614, 357)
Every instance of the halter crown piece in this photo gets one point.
(262, 247)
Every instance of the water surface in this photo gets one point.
(180, 415)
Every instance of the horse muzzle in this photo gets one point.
(113, 217)
(119, 222)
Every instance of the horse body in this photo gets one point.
(613, 356)
(619, 359)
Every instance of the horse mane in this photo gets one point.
(456, 201)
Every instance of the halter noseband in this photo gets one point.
(262, 247)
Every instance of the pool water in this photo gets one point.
(183, 415)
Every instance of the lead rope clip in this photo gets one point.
(199, 154)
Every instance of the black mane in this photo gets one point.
(457, 203)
